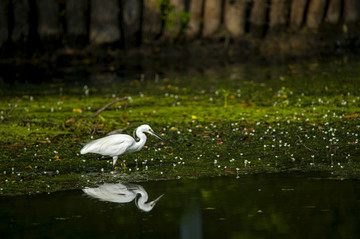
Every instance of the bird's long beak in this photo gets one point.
(156, 200)
(153, 133)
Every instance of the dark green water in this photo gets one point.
(251, 206)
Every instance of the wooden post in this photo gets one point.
(258, 17)
(174, 21)
(279, 12)
(333, 12)
(315, 13)
(151, 24)
(193, 27)
(297, 13)
(21, 30)
(104, 22)
(76, 17)
(178, 4)
(131, 18)
(212, 17)
(4, 31)
(48, 19)
(351, 11)
(235, 17)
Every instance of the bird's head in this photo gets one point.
(147, 207)
(147, 129)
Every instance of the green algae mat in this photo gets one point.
(229, 120)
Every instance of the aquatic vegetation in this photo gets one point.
(239, 120)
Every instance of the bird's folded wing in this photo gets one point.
(110, 145)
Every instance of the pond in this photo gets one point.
(249, 151)
(250, 206)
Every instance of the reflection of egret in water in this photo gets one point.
(123, 193)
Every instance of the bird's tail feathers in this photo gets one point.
(83, 150)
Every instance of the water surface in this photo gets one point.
(251, 206)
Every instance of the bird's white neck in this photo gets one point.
(140, 144)
(141, 201)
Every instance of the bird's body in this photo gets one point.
(122, 193)
(118, 193)
(113, 145)
(117, 144)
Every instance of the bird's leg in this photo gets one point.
(114, 160)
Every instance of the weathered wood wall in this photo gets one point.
(128, 23)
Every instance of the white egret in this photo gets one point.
(117, 144)
(122, 193)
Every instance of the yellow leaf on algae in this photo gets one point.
(245, 104)
(70, 121)
(209, 208)
(77, 110)
(56, 157)
(351, 116)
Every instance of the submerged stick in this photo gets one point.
(104, 108)
(300, 141)
(9, 112)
